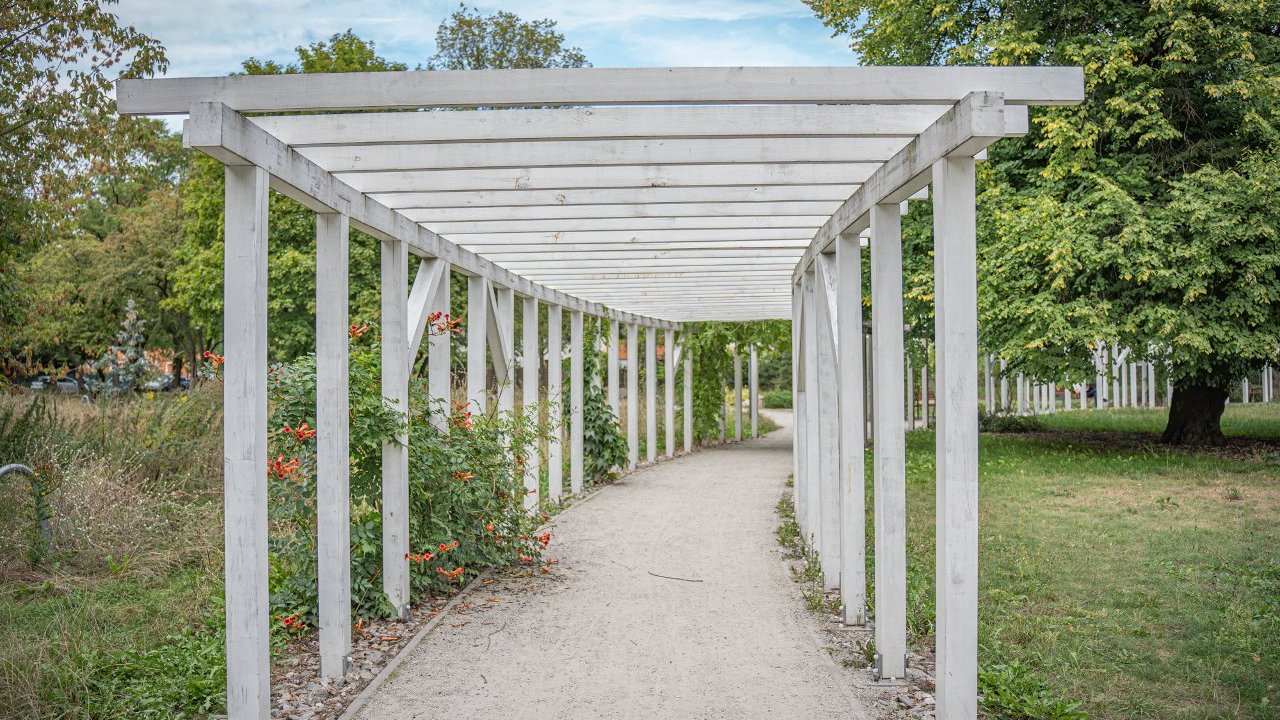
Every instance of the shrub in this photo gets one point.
(777, 399)
(604, 448)
(1003, 423)
(1012, 691)
(466, 494)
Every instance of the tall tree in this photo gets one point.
(1135, 219)
(468, 40)
(197, 278)
(58, 60)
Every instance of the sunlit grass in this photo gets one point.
(1142, 580)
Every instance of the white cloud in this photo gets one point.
(214, 37)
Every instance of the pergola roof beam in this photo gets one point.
(975, 122)
(619, 176)
(524, 215)
(677, 224)
(601, 153)
(636, 236)
(514, 197)
(226, 135)
(604, 123)
(600, 86)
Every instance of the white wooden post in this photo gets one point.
(530, 402)
(956, 323)
(1133, 384)
(1151, 385)
(753, 392)
(395, 453)
(1117, 374)
(505, 310)
(924, 387)
(1244, 391)
(889, 446)
(333, 455)
(737, 393)
(555, 403)
(800, 451)
(439, 371)
(1053, 397)
(612, 391)
(688, 399)
(651, 393)
(828, 430)
(633, 396)
(669, 392)
(911, 384)
(576, 380)
(812, 390)
(1004, 385)
(723, 411)
(868, 369)
(1022, 395)
(244, 428)
(477, 331)
(852, 476)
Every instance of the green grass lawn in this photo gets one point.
(1140, 580)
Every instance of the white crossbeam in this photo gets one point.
(224, 134)
(599, 86)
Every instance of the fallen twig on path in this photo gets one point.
(668, 577)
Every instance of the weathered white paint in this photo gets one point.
(439, 363)
(976, 121)
(737, 394)
(612, 363)
(889, 446)
(669, 392)
(619, 176)
(244, 428)
(601, 86)
(651, 394)
(477, 333)
(753, 393)
(600, 153)
(576, 387)
(333, 456)
(221, 132)
(721, 213)
(395, 452)
(530, 401)
(633, 396)
(688, 400)
(607, 123)
(828, 430)
(924, 387)
(502, 314)
(956, 323)
(555, 401)
(850, 433)
(426, 285)
(812, 388)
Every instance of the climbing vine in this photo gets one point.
(711, 347)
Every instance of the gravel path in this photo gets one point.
(603, 637)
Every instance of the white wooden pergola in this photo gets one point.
(649, 197)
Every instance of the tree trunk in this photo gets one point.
(178, 362)
(1195, 416)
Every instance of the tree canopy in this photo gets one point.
(469, 40)
(1135, 218)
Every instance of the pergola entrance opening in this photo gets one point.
(650, 197)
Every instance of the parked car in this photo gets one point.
(163, 382)
(69, 385)
(39, 382)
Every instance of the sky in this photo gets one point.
(214, 36)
